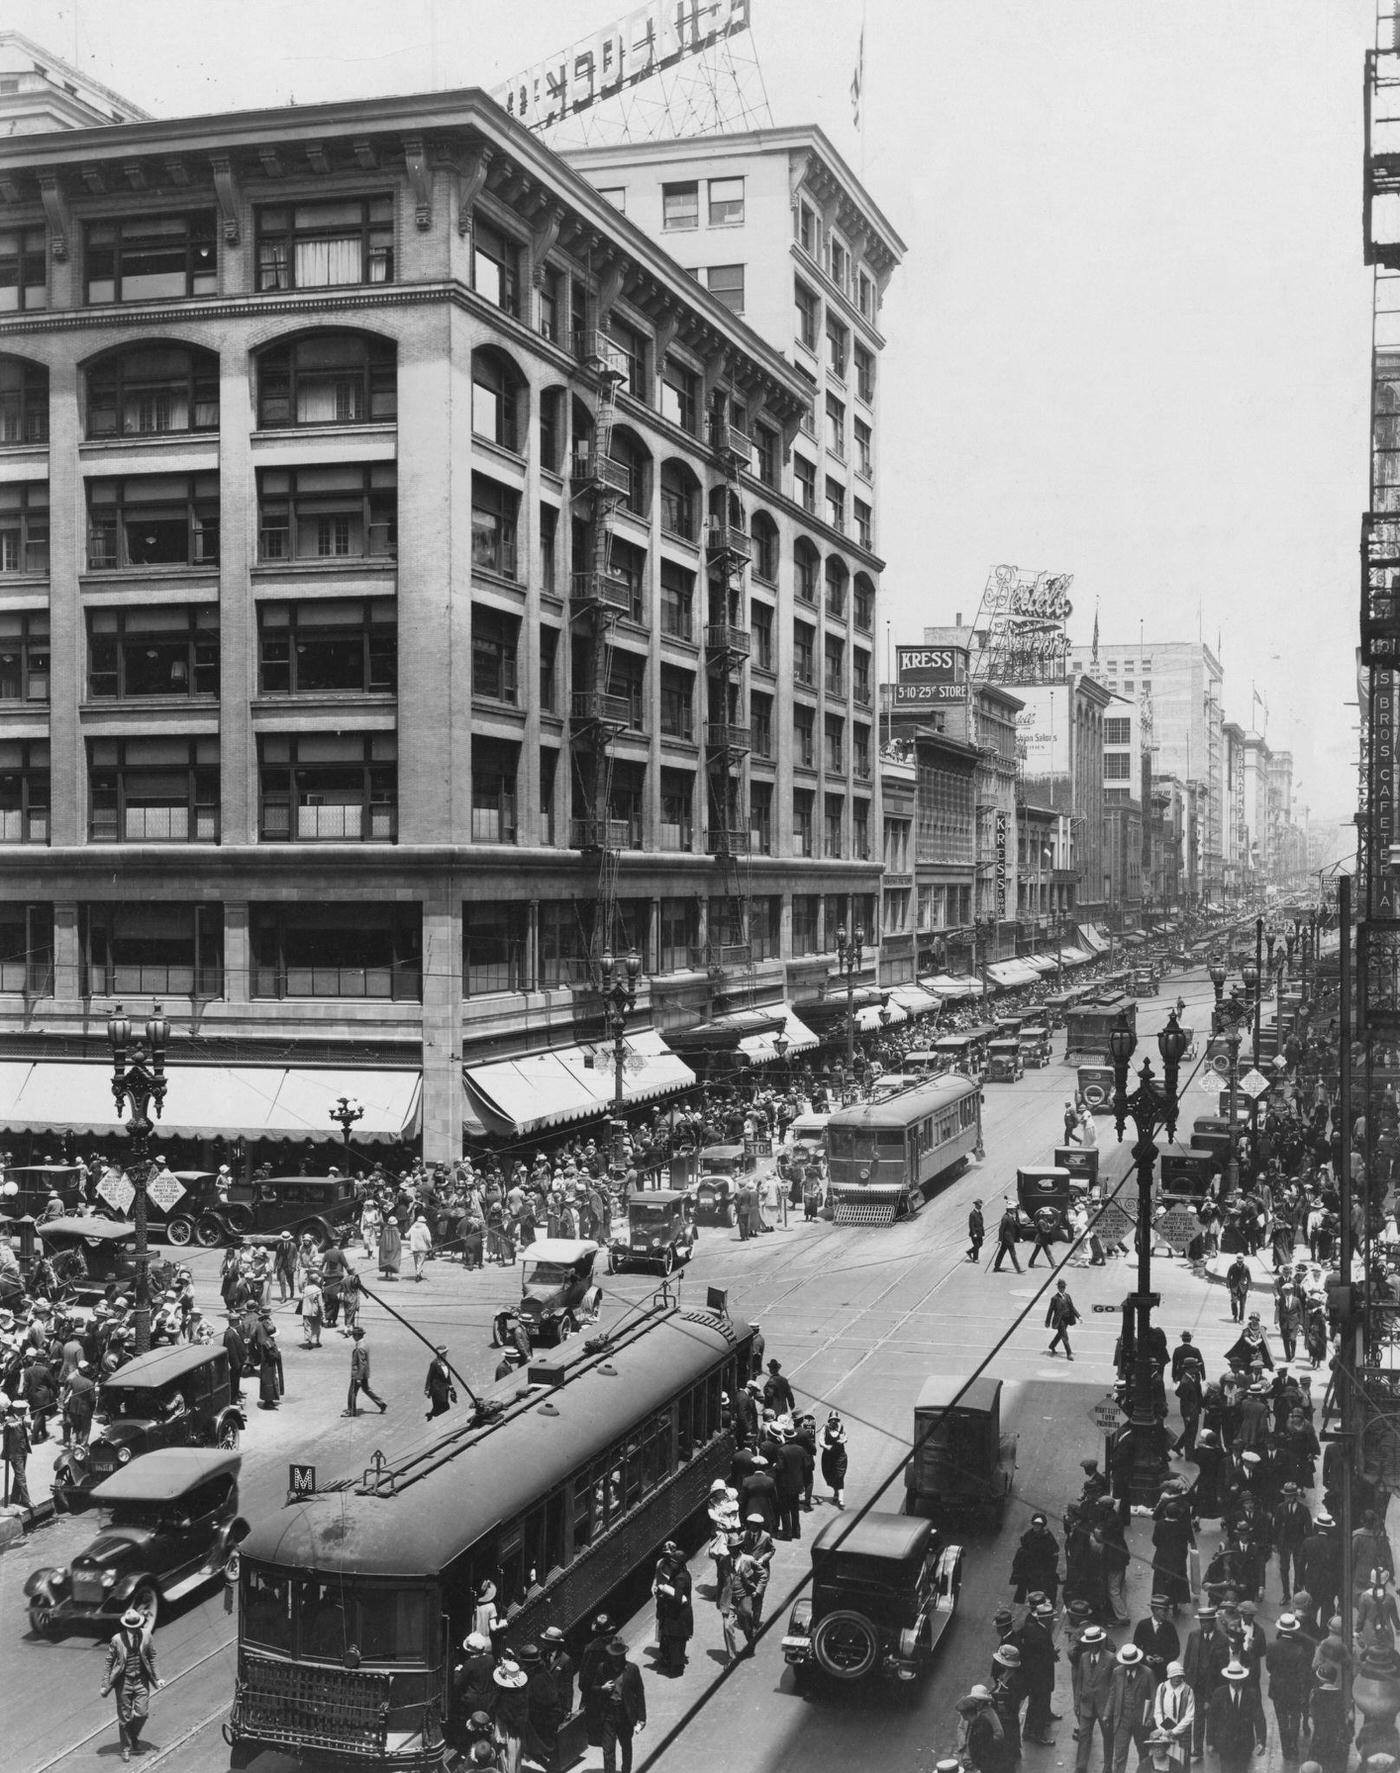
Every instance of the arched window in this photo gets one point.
(806, 564)
(500, 403)
(837, 579)
(680, 501)
(765, 547)
(24, 401)
(146, 390)
(327, 378)
(863, 603)
(629, 452)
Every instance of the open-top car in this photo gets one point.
(170, 1525)
(92, 1257)
(884, 1591)
(172, 1397)
(659, 1233)
(557, 1291)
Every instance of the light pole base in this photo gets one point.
(1151, 1467)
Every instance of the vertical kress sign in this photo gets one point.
(928, 675)
(643, 42)
(1001, 865)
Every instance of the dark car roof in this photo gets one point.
(162, 1365)
(898, 1537)
(658, 1197)
(107, 1231)
(941, 1390)
(166, 1475)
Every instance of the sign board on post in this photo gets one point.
(1105, 1414)
(301, 1480)
(117, 1192)
(165, 1190)
(1254, 1084)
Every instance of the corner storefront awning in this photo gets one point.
(722, 1033)
(761, 1049)
(550, 1089)
(1041, 963)
(213, 1101)
(914, 999)
(1091, 939)
(1009, 973)
(869, 1020)
(1075, 957)
(946, 985)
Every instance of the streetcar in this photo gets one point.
(884, 1158)
(352, 1603)
(1089, 1024)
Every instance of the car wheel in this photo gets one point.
(668, 1261)
(208, 1234)
(228, 1436)
(42, 1622)
(846, 1645)
(179, 1232)
(567, 1325)
(146, 1600)
(498, 1330)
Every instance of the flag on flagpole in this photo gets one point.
(858, 79)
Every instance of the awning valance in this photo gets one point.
(1091, 939)
(761, 1049)
(729, 1030)
(213, 1101)
(869, 1020)
(914, 999)
(947, 985)
(1009, 973)
(1040, 963)
(1075, 957)
(563, 1084)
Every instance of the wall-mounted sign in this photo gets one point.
(925, 695)
(1001, 864)
(931, 664)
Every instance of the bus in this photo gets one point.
(884, 1158)
(352, 1603)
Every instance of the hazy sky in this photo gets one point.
(1131, 336)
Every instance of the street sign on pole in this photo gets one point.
(1254, 1083)
(1106, 1414)
(117, 1192)
(165, 1190)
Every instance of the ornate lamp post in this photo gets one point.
(1217, 979)
(141, 1081)
(1252, 974)
(781, 1043)
(618, 985)
(848, 956)
(347, 1110)
(1150, 1106)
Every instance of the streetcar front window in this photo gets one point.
(308, 1616)
(393, 1626)
(267, 1609)
(840, 1141)
(889, 1144)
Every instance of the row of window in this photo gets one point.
(841, 354)
(371, 949)
(826, 248)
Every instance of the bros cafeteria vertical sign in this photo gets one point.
(926, 675)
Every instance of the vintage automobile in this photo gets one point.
(178, 1224)
(884, 1591)
(172, 1397)
(259, 1211)
(1036, 1050)
(660, 1232)
(1004, 1064)
(1082, 1162)
(171, 1525)
(1094, 1084)
(557, 1291)
(1144, 982)
(722, 1168)
(27, 1189)
(1042, 1185)
(1006, 1027)
(962, 1463)
(94, 1257)
(963, 1053)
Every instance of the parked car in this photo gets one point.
(172, 1397)
(25, 1191)
(962, 1462)
(178, 1224)
(91, 1257)
(259, 1211)
(171, 1525)
(722, 1168)
(557, 1291)
(660, 1232)
(884, 1591)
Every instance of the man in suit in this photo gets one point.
(976, 1231)
(1038, 1659)
(1289, 1662)
(1130, 1698)
(1249, 1646)
(1006, 1238)
(1093, 1663)
(1158, 1638)
(1291, 1525)
(1204, 1660)
(1235, 1726)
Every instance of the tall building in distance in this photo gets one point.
(39, 92)
(415, 583)
(1182, 684)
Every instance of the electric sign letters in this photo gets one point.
(647, 40)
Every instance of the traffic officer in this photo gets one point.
(1006, 1238)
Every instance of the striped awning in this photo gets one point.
(564, 1084)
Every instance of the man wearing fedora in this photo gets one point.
(1289, 1662)
(131, 1675)
(14, 1440)
(624, 1707)
(1093, 1663)
(1038, 1659)
(1235, 1726)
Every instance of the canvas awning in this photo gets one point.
(869, 1020)
(1009, 973)
(1075, 957)
(914, 999)
(1041, 963)
(947, 985)
(761, 1049)
(729, 1030)
(563, 1084)
(1091, 939)
(214, 1101)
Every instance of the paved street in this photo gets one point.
(858, 1316)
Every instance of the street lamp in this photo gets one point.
(347, 1110)
(1149, 1107)
(781, 1043)
(618, 986)
(1232, 1167)
(848, 955)
(1252, 974)
(142, 1082)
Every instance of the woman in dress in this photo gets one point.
(675, 1615)
(390, 1248)
(834, 1457)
